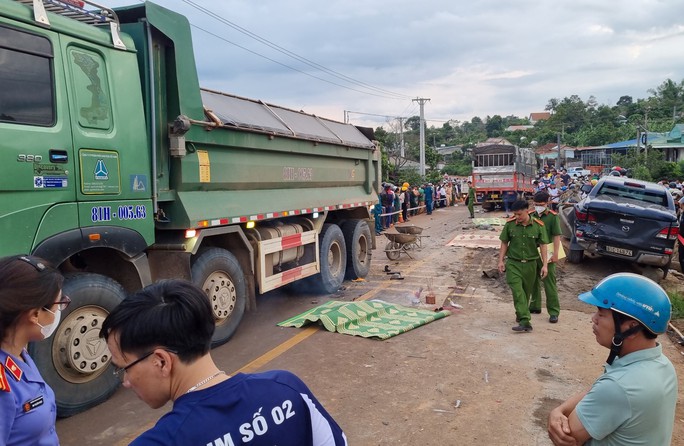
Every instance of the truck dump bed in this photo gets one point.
(273, 160)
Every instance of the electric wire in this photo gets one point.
(384, 93)
(288, 66)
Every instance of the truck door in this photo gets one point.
(36, 160)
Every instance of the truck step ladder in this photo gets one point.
(76, 10)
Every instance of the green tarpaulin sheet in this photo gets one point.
(367, 319)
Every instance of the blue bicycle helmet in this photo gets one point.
(635, 296)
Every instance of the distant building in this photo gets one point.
(548, 154)
(491, 141)
(446, 152)
(518, 128)
(539, 116)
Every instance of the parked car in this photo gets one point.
(575, 172)
(626, 219)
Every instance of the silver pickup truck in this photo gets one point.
(626, 219)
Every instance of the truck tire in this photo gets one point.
(218, 273)
(357, 237)
(575, 255)
(333, 257)
(75, 361)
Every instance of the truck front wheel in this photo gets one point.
(75, 361)
(218, 273)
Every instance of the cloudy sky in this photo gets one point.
(474, 58)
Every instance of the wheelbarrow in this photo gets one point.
(412, 229)
(399, 243)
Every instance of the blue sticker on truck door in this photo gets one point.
(40, 182)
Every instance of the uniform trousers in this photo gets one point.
(521, 276)
(550, 290)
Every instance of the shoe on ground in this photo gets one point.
(553, 319)
(535, 311)
(522, 328)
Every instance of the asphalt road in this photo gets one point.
(465, 379)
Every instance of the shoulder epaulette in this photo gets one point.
(553, 212)
(13, 368)
(531, 211)
(538, 221)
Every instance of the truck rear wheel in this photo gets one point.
(218, 273)
(75, 361)
(333, 256)
(357, 237)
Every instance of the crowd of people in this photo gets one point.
(397, 204)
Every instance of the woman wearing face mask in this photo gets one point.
(31, 303)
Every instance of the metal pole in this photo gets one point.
(401, 136)
(422, 102)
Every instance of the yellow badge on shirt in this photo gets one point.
(4, 385)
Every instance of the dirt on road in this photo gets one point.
(466, 379)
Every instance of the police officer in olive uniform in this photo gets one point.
(553, 231)
(471, 199)
(518, 256)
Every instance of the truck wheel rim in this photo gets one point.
(362, 251)
(78, 352)
(335, 259)
(221, 291)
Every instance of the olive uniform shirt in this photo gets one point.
(523, 240)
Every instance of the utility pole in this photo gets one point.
(401, 138)
(422, 102)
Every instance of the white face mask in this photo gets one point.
(48, 329)
(540, 209)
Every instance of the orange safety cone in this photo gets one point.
(401, 219)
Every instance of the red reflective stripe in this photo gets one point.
(291, 241)
(290, 275)
(681, 239)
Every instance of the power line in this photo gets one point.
(288, 66)
(379, 91)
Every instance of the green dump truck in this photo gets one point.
(121, 171)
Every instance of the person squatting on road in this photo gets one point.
(160, 338)
(553, 232)
(521, 236)
(31, 302)
(633, 401)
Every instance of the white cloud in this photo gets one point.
(471, 59)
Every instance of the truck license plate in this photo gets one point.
(495, 196)
(621, 251)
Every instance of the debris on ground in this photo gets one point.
(491, 273)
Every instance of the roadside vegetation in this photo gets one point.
(578, 123)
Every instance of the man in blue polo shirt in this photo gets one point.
(633, 401)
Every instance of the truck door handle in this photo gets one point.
(59, 156)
